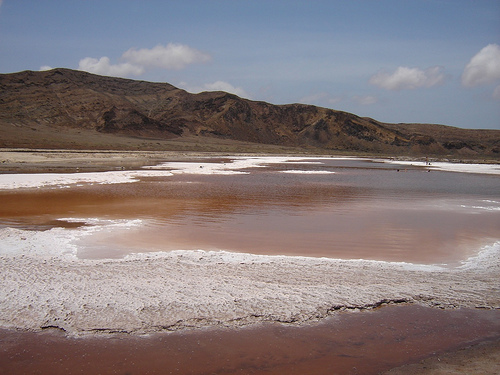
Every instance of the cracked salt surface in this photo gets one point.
(45, 285)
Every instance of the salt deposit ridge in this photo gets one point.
(45, 284)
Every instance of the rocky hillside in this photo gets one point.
(46, 109)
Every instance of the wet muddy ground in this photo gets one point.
(368, 342)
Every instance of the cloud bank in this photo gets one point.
(405, 78)
(137, 61)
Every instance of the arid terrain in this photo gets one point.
(70, 109)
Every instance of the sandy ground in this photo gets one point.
(36, 161)
(47, 286)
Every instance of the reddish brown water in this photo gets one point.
(364, 210)
(351, 343)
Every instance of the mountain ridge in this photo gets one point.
(60, 102)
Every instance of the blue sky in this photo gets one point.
(433, 61)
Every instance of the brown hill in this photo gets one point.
(63, 108)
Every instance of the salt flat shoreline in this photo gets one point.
(196, 289)
(47, 285)
(43, 161)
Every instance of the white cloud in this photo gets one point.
(365, 100)
(171, 56)
(136, 62)
(104, 67)
(215, 86)
(408, 78)
(483, 68)
(45, 67)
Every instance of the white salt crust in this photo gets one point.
(58, 180)
(450, 167)
(237, 164)
(44, 284)
(65, 180)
